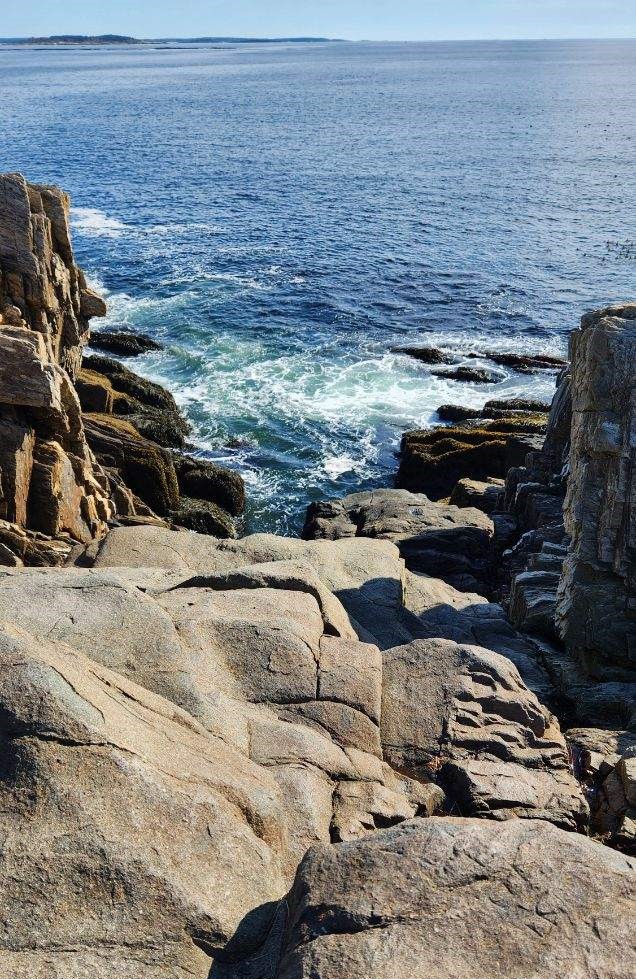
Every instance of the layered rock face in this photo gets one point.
(50, 483)
(596, 610)
(82, 441)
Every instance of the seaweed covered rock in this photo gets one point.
(146, 405)
(434, 460)
(205, 480)
(146, 468)
(123, 343)
(204, 517)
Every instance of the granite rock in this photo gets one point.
(456, 899)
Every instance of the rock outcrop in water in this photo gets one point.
(269, 758)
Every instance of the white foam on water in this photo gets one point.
(91, 221)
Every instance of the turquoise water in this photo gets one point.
(282, 216)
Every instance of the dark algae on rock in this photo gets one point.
(401, 746)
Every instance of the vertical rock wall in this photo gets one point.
(49, 483)
(596, 605)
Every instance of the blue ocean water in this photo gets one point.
(281, 216)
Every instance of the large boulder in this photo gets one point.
(264, 657)
(438, 540)
(464, 713)
(455, 899)
(148, 837)
(367, 576)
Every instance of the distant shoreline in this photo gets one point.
(108, 40)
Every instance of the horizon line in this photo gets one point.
(250, 38)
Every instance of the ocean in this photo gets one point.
(282, 216)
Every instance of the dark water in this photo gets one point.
(281, 216)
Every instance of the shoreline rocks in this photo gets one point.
(521, 363)
(273, 757)
(83, 440)
(124, 343)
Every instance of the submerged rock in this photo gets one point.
(125, 343)
(470, 375)
(524, 363)
(427, 355)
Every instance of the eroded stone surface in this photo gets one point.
(459, 899)
(464, 712)
(597, 596)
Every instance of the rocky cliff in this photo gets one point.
(83, 441)
(50, 484)
(342, 756)
(596, 606)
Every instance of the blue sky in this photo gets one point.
(356, 19)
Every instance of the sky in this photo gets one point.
(355, 19)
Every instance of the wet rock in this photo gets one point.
(95, 391)
(207, 481)
(204, 517)
(427, 355)
(524, 363)
(469, 375)
(517, 404)
(493, 410)
(451, 897)
(145, 467)
(434, 460)
(147, 406)
(458, 413)
(124, 343)
(124, 380)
